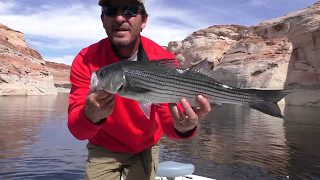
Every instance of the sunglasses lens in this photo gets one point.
(128, 10)
(110, 10)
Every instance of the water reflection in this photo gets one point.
(34, 140)
(302, 126)
(19, 125)
(232, 143)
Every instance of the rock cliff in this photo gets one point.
(22, 70)
(61, 74)
(282, 53)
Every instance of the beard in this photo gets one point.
(124, 41)
(127, 38)
(120, 43)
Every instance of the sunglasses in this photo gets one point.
(128, 10)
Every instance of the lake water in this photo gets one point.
(233, 142)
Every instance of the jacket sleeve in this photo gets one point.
(78, 124)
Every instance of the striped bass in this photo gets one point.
(154, 82)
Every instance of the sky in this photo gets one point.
(59, 29)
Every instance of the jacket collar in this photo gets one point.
(142, 55)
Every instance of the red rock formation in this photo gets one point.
(211, 44)
(61, 74)
(15, 40)
(22, 69)
(275, 54)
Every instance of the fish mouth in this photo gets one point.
(94, 81)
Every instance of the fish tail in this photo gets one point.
(266, 101)
(273, 96)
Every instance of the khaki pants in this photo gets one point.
(103, 164)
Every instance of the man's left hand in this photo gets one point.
(184, 122)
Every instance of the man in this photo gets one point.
(122, 141)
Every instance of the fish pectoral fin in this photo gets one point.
(145, 108)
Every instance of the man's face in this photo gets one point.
(123, 30)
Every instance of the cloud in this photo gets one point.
(57, 27)
(55, 30)
(62, 28)
(42, 42)
(75, 22)
(6, 7)
(258, 2)
(67, 59)
(170, 23)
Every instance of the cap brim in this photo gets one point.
(102, 2)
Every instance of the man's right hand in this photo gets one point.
(99, 105)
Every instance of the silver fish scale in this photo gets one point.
(168, 84)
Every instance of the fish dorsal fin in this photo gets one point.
(166, 62)
(202, 68)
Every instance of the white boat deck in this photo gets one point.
(187, 177)
(171, 170)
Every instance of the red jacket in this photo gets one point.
(127, 129)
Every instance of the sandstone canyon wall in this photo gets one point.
(22, 70)
(282, 53)
(61, 74)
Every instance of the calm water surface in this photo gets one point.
(232, 143)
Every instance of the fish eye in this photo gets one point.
(101, 74)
